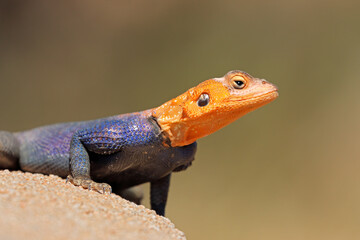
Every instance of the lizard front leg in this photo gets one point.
(159, 193)
(80, 168)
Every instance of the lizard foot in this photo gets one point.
(87, 183)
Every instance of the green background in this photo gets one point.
(289, 170)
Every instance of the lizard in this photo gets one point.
(116, 153)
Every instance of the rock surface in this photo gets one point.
(35, 206)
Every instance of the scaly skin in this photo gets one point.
(130, 149)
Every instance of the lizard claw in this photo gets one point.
(87, 183)
(69, 178)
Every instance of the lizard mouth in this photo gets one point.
(263, 97)
(271, 94)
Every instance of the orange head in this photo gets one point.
(212, 105)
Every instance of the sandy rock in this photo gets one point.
(35, 206)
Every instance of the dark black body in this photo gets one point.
(135, 166)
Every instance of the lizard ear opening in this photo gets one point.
(203, 100)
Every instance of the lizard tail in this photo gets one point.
(9, 151)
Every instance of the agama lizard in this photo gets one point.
(130, 149)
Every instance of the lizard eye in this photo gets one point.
(238, 82)
(203, 100)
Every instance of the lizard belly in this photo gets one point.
(136, 166)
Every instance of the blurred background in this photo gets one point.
(289, 170)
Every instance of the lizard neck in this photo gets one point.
(169, 117)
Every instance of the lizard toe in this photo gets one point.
(87, 183)
(103, 188)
